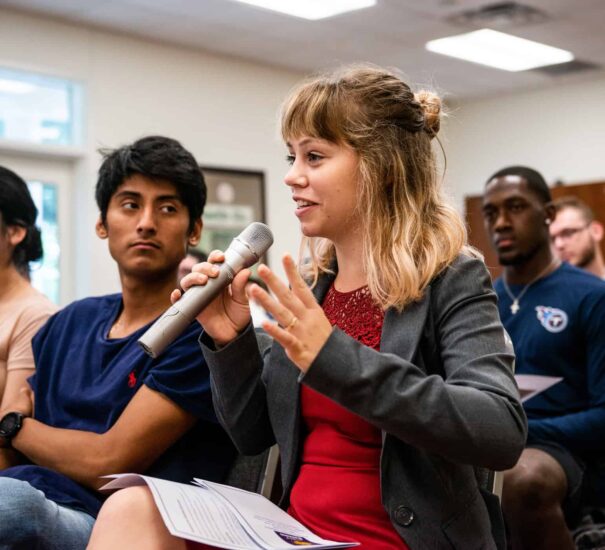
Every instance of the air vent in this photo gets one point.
(563, 69)
(500, 15)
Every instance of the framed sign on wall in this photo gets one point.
(235, 199)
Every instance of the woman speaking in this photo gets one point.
(387, 379)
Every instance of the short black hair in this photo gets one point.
(156, 158)
(17, 208)
(535, 180)
(198, 254)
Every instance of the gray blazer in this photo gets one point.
(441, 389)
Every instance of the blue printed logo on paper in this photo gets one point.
(294, 540)
(552, 319)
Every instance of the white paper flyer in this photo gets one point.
(224, 516)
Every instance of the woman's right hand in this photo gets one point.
(229, 313)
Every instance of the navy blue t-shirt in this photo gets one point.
(559, 330)
(84, 381)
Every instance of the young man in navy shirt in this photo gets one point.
(555, 315)
(101, 405)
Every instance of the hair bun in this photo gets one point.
(32, 244)
(431, 105)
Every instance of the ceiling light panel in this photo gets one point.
(311, 9)
(499, 50)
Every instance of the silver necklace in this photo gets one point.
(514, 307)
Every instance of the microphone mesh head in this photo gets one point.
(258, 237)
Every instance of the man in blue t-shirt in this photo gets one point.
(555, 315)
(101, 405)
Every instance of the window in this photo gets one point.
(50, 182)
(46, 274)
(41, 139)
(39, 109)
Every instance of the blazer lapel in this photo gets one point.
(401, 332)
(323, 285)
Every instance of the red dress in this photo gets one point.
(337, 492)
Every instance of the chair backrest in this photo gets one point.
(497, 481)
(255, 473)
(494, 480)
(490, 480)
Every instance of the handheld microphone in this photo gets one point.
(244, 251)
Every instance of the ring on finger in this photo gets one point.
(292, 323)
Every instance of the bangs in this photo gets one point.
(315, 111)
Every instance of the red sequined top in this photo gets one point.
(337, 492)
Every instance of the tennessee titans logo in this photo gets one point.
(552, 319)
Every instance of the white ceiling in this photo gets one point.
(393, 33)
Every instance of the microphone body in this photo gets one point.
(244, 251)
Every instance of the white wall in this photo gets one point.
(559, 131)
(222, 109)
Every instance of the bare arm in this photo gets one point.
(20, 363)
(23, 402)
(15, 380)
(148, 426)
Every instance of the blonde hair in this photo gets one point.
(409, 232)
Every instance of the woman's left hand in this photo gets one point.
(303, 328)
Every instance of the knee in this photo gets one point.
(530, 490)
(130, 505)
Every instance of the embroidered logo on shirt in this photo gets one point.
(552, 319)
(132, 379)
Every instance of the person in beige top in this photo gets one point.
(23, 310)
